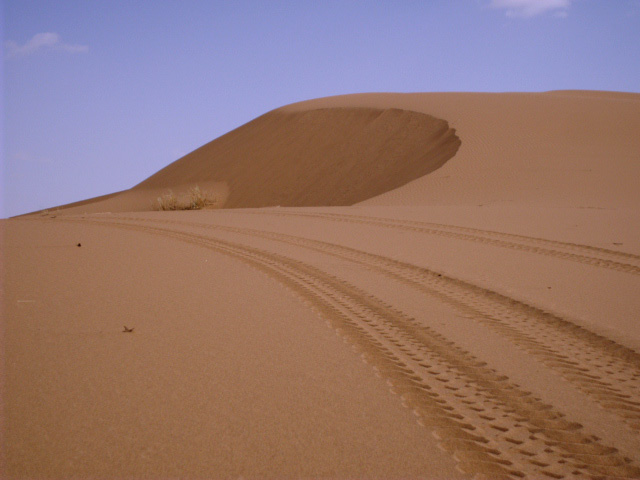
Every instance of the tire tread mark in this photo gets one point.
(497, 312)
(387, 327)
(499, 239)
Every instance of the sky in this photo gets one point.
(97, 96)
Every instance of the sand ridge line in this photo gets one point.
(609, 373)
(528, 435)
(499, 239)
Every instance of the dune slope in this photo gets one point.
(560, 148)
(315, 157)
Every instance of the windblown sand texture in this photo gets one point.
(399, 286)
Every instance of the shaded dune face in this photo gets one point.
(322, 157)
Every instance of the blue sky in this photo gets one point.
(99, 95)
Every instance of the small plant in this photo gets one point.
(200, 199)
(195, 199)
(168, 201)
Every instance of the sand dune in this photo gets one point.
(316, 157)
(564, 148)
(475, 320)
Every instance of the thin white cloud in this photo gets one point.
(42, 42)
(531, 8)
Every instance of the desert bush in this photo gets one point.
(199, 199)
(195, 199)
(168, 201)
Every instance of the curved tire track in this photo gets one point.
(590, 255)
(491, 426)
(606, 371)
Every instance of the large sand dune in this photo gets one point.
(565, 148)
(471, 310)
(315, 157)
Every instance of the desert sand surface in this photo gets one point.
(404, 286)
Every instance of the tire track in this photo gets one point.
(606, 371)
(590, 255)
(491, 426)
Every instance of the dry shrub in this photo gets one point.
(168, 201)
(195, 199)
(199, 199)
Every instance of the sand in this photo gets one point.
(470, 309)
